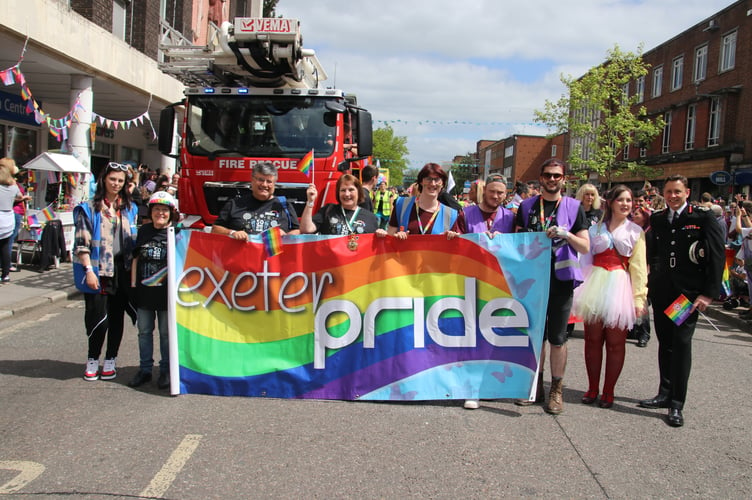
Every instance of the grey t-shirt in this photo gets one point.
(8, 196)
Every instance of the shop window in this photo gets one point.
(22, 144)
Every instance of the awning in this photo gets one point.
(56, 162)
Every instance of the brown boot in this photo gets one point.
(540, 394)
(555, 404)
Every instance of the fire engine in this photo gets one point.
(254, 94)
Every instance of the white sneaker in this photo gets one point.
(109, 371)
(471, 404)
(92, 369)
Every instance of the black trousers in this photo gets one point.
(104, 318)
(674, 349)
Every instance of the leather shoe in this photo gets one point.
(140, 379)
(164, 380)
(642, 343)
(675, 417)
(589, 397)
(656, 402)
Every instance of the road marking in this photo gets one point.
(165, 477)
(25, 324)
(29, 471)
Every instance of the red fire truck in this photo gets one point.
(253, 95)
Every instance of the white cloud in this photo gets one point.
(484, 62)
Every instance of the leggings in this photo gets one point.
(104, 318)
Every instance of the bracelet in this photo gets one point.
(310, 204)
(230, 233)
(89, 269)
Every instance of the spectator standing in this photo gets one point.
(105, 231)
(678, 266)
(369, 176)
(641, 329)
(588, 196)
(149, 281)
(383, 200)
(613, 294)
(9, 194)
(563, 220)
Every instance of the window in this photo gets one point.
(657, 81)
(553, 151)
(118, 18)
(625, 94)
(677, 73)
(643, 152)
(640, 89)
(728, 52)
(701, 63)
(714, 124)
(689, 135)
(625, 151)
(666, 147)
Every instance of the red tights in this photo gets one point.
(615, 340)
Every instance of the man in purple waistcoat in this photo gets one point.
(563, 220)
(488, 216)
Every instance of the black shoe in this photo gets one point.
(675, 417)
(657, 402)
(140, 379)
(164, 380)
(642, 343)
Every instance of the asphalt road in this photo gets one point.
(63, 437)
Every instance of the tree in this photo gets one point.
(602, 118)
(269, 8)
(462, 170)
(391, 151)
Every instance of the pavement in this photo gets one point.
(30, 288)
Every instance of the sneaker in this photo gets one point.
(5, 279)
(92, 369)
(471, 404)
(109, 371)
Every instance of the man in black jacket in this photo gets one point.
(686, 254)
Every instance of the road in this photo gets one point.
(63, 437)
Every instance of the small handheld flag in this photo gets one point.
(306, 163)
(679, 310)
(272, 239)
(48, 213)
(155, 279)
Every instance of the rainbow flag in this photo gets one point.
(72, 180)
(32, 220)
(306, 163)
(155, 279)
(48, 213)
(272, 239)
(679, 310)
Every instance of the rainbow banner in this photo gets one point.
(679, 310)
(421, 319)
(48, 213)
(305, 163)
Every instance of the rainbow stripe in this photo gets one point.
(679, 310)
(305, 164)
(155, 279)
(48, 213)
(272, 239)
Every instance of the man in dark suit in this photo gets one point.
(686, 255)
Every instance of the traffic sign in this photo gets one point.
(720, 178)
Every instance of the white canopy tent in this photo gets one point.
(56, 162)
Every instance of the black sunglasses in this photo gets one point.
(550, 175)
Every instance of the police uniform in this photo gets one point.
(686, 256)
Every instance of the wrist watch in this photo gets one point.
(310, 204)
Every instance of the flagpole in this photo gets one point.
(313, 164)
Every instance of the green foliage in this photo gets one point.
(391, 151)
(269, 8)
(462, 170)
(601, 120)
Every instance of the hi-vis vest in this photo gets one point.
(446, 215)
(386, 199)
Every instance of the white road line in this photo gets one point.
(169, 471)
(29, 471)
(25, 324)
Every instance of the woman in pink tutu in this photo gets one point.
(613, 294)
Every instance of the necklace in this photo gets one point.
(352, 243)
(430, 222)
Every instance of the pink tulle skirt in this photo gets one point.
(605, 296)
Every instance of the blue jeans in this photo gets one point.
(16, 228)
(146, 319)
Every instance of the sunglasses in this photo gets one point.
(549, 175)
(112, 167)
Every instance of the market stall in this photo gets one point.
(52, 180)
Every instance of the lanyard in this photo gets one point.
(547, 222)
(430, 222)
(348, 223)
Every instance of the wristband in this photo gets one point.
(230, 233)
(310, 204)
(89, 269)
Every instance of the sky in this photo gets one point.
(446, 74)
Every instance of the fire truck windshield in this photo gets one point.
(253, 125)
